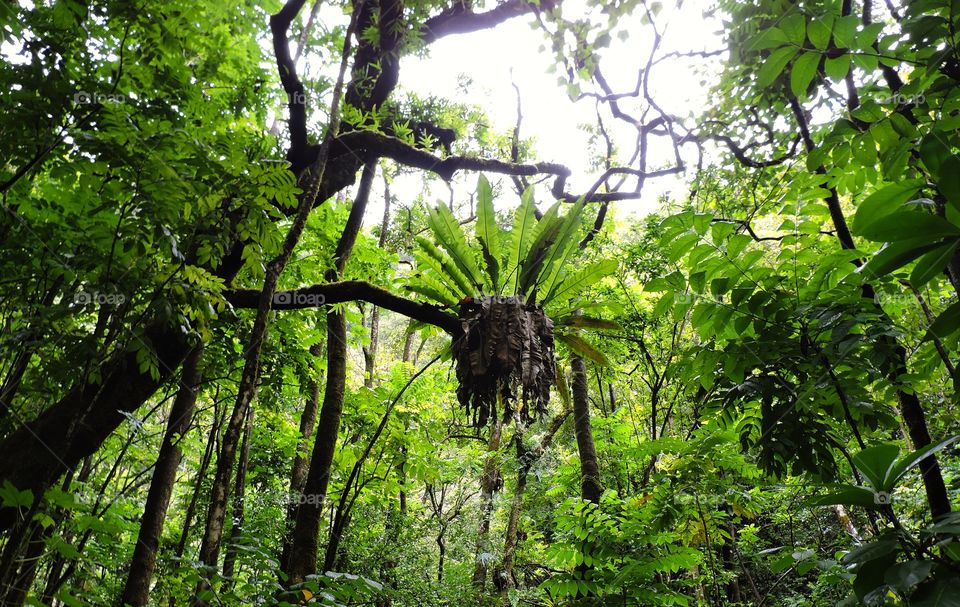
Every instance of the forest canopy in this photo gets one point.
(492, 302)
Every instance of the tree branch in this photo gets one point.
(360, 142)
(458, 20)
(344, 291)
(292, 86)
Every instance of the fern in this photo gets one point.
(519, 239)
(488, 233)
(447, 231)
(545, 234)
(583, 348)
(566, 243)
(574, 283)
(447, 267)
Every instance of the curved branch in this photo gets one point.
(344, 291)
(458, 20)
(358, 142)
(296, 95)
(740, 153)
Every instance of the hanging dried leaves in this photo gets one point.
(506, 353)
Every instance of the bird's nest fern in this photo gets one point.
(510, 287)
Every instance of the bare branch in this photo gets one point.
(458, 20)
(345, 291)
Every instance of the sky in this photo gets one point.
(511, 52)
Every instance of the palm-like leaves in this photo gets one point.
(531, 261)
(506, 282)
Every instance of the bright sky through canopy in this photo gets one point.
(515, 53)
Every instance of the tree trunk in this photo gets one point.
(16, 591)
(298, 473)
(84, 418)
(310, 182)
(230, 558)
(513, 523)
(212, 440)
(590, 487)
(136, 591)
(220, 490)
(303, 552)
(525, 460)
(442, 548)
(370, 352)
(489, 485)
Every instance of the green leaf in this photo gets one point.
(518, 242)
(446, 229)
(576, 282)
(948, 181)
(804, 69)
(905, 225)
(584, 348)
(544, 236)
(904, 576)
(871, 551)
(944, 593)
(565, 244)
(794, 26)
(875, 462)
(589, 322)
(934, 151)
(488, 232)
(884, 201)
(848, 495)
(773, 37)
(895, 255)
(946, 324)
(818, 31)
(845, 31)
(774, 65)
(933, 263)
(836, 68)
(905, 463)
(11, 497)
(445, 267)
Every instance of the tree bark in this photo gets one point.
(136, 591)
(370, 352)
(16, 591)
(526, 458)
(590, 487)
(513, 522)
(303, 552)
(230, 558)
(298, 472)
(489, 485)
